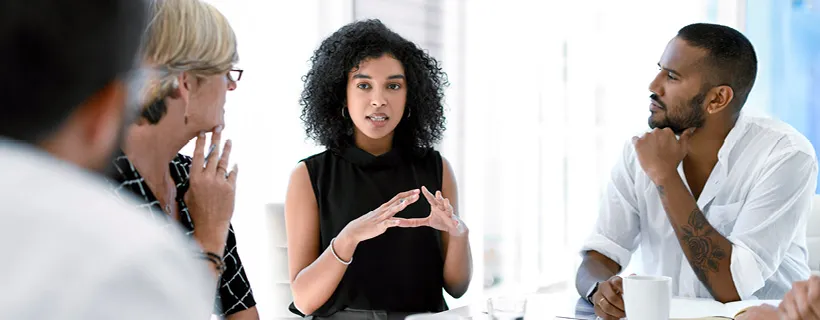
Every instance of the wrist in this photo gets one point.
(462, 232)
(347, 237)
(345, 244)
(211, 241)
(215, 260)
(662, 178)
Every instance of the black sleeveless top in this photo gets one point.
(401, 270)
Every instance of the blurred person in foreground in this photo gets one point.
(801, 303)
(71, 85)
(717, 200)
(194, 47)
(367, 238)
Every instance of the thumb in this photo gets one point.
(685, 136)
(411, 223)
(392, 222)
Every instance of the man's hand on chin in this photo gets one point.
(660, 152)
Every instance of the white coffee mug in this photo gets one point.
(647, 297)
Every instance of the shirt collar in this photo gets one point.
(737, 132)
(124, 169)
(362, 158)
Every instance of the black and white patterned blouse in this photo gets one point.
(235, 292)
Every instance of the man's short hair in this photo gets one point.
(731, 61)
(56, 54)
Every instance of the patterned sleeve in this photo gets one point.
(235, 292)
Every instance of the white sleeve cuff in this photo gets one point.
(610, 249)
(745, 270)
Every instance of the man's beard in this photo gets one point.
(693, 116)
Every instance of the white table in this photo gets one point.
(561, 305)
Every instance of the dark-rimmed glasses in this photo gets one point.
(235, 74)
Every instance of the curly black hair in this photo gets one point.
(325, 92)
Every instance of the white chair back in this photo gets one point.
(281, 294)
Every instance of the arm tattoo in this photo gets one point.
(705, 254)
(662, 194)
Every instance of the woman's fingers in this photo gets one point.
(429, 196)
(222, 166)
(233, 175)
(436, 201)
(390, 223)
(412, 223)
(213, 157)
(398, 198)
(398, 206)
(199, 152)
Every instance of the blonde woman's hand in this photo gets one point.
(210, 197)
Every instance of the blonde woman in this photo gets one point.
(194, 47)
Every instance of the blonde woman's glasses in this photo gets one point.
(235, 74)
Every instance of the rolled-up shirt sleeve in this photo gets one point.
(775, 212)
(617, 230)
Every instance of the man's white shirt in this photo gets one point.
(72, 251)
(758, 196)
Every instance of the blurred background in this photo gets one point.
(543, 96)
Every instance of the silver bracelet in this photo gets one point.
(333, 251)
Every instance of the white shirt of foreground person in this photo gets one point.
(72, 251)
(758, 196)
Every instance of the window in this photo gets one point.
(550, 92)
(785, 35)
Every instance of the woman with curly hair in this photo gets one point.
(367, 238)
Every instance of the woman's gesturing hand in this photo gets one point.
(376, 222)
(442, 216)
